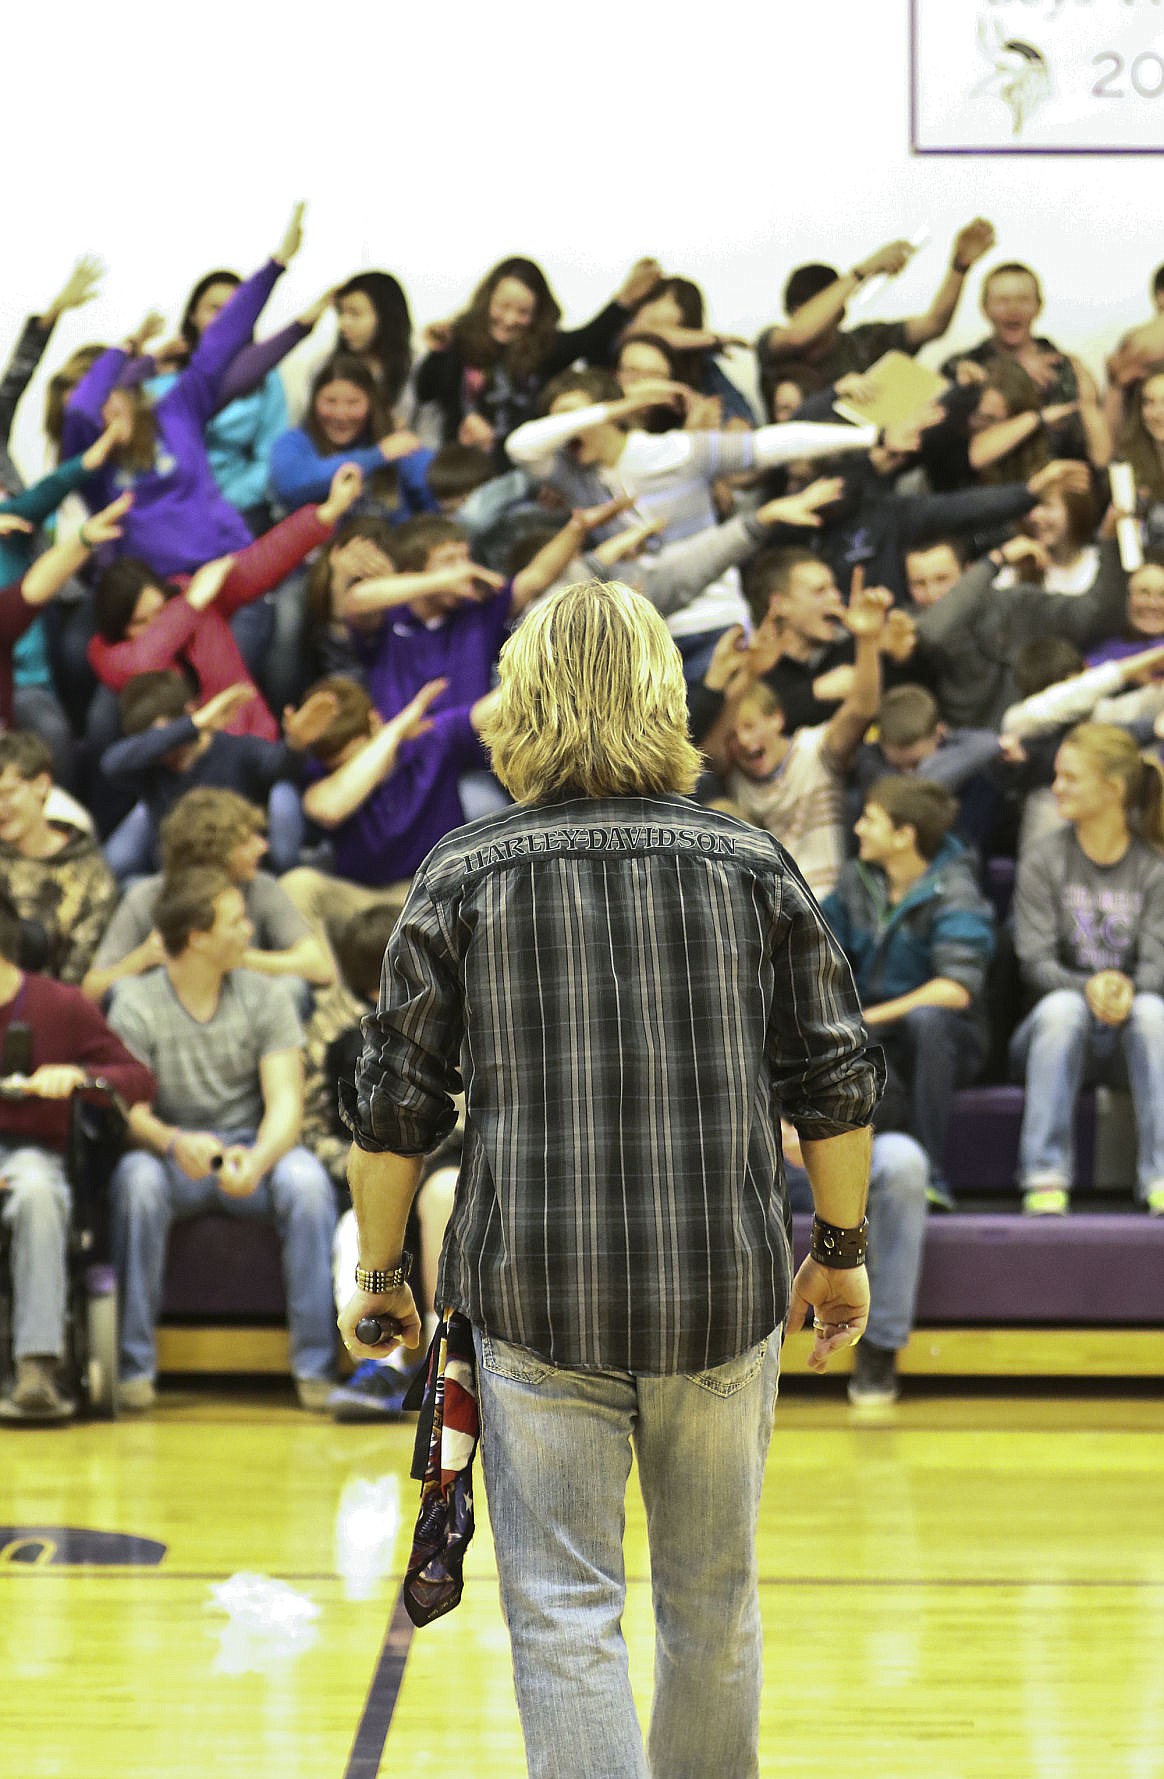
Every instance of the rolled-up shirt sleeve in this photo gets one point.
(401, 1101)
(828, 1076)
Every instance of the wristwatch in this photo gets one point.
(378, 1279)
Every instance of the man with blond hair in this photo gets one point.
(630, 989)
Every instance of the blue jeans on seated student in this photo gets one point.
(35, 1211)
(1059, 1047)
(556, 1452)
(149, 1192)
(897, 1229)
(934, 1051)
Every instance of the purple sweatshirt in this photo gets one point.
(1118, 648)
(179, 518)
(399, 824)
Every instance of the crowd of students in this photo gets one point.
(913, 654)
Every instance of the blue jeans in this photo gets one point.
(35, 1209)
(556, 1451)
(149, 1193)
(897, 1229)
(934, 1050)
(1059, 1046)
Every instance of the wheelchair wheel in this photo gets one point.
(100, 1379)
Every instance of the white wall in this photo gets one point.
(733, 142)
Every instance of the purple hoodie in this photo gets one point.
(179, 518)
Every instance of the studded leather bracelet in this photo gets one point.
(379, 1279)
(834, 1247)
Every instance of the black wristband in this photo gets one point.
(835, 1247)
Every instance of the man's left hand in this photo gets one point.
(839, 1300)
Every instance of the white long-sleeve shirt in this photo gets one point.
(669, 474)
(1067, 701)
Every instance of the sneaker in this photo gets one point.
(136, 1394)
(374, 1392)
(873, 1380)
(938, 1195)
(1155, 1199)
(36, 1395)
(313, 1393)
(1045, 1201)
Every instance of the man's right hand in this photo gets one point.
(397, 1306)
(839, 1300)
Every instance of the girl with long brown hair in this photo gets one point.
(486, 367)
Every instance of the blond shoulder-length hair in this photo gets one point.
(592, 701)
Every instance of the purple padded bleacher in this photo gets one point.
(982, 1151)
(1093, 1268)
(222, 1268)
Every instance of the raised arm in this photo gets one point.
(251, 365)
(1068, 700)
(824, 310)
(83, 422)
(299, 473)
(40, 501)
(555, 557)
(262, 565)
(331, 800)
(594, 342)
(201, 382)
(79, 288)
(970, 243)
(867, 610)
(49, 572)
(1097, 434)
(367, 599)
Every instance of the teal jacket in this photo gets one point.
(17, 549)
(943, 926)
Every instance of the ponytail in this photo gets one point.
(1146, 801)
(1113, 752)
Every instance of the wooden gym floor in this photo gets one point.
(988, 1604)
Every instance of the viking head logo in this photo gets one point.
(1019, 76)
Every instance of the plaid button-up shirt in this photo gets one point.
(632, 991)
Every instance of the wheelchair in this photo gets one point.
(89, 1367)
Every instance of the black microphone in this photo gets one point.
(376, 1331)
